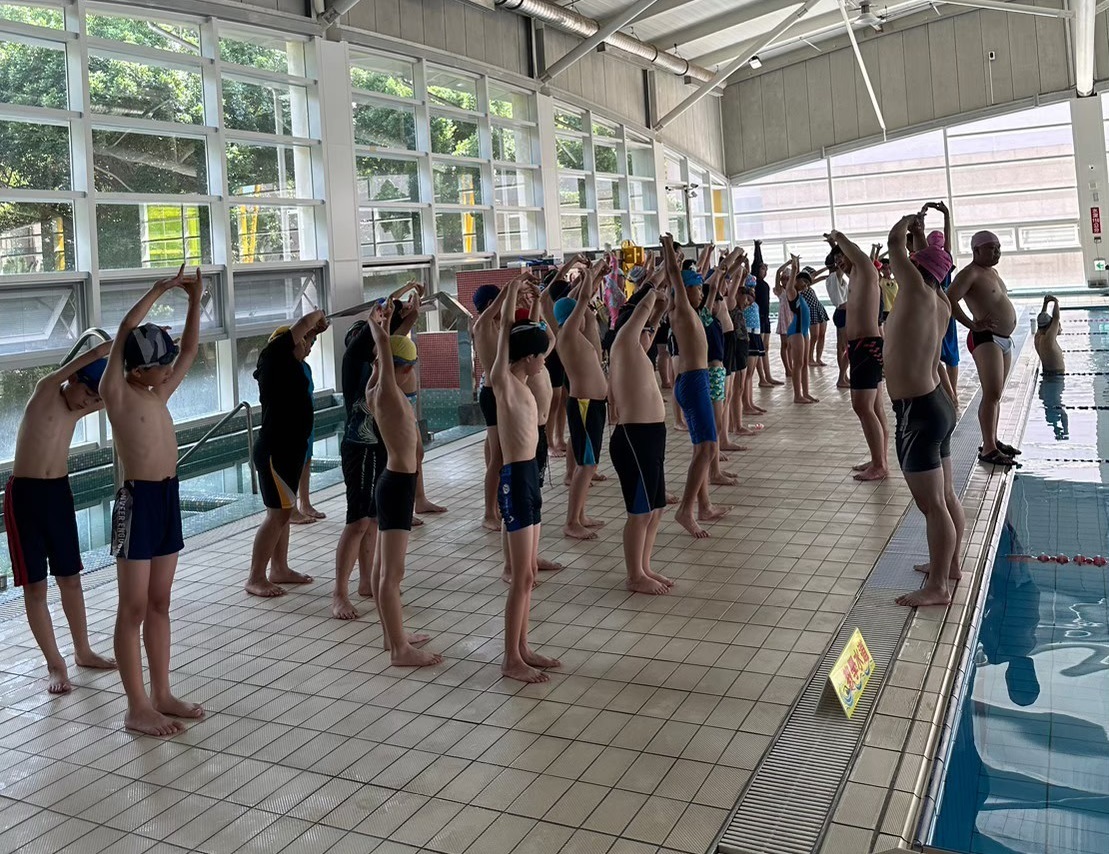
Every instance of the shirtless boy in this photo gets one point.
(145, 367)
(489, 300)
(394, 378)
(39, 515)
(638, 446)
(990, 341)
(864, 351)
(691, 393)
(520, 351)
(925, 414)
(587, 405)
(1047, 335)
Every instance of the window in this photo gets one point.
(460, 233)
(384, 179)
(517, 231)
(386, 127)
(256, 49)
(513, 145)
(264, 233)
(46, 318)
(153, 235)
(36, 237)
(571, 153)
(34, 156)
(450, 89)
(35, 74)
(129, 162)
(513, 188)
(382, 74)
(269, 170)
(456, 184)
(171, 309)
(144, 90)
(508, 103)
(387, 234)
(456, 137)
(265, 107)
(271, 299)
(170, 37)
(575, 232)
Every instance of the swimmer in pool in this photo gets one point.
(1047, 335)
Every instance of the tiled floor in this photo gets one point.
(639, 744)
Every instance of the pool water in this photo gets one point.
(1028, 770)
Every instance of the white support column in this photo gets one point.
(1093, 182)
(548, 159)
(340, 187)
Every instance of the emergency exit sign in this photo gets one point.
(1095, 220)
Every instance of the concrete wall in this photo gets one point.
(923, 73)
(699, 131)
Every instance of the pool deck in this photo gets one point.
(640, 744)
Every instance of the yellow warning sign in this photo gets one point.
(851, 672)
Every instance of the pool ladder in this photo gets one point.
(96, 332)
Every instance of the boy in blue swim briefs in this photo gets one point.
(39, 514)
(144, 369)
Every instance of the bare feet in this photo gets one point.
(299, 518)
(174, 708)
(288, 576)
(650, 573)
(558, 452)
(97, 662)
(548, 565)
(801, 400)
(506, 577)
(312, 512)
(409, 656)
(861, 466)
(924, 596)
(598, 477)
(813, 399)
(713, 512)
(872, 474)
(578, 532)
(592, 523)
(426, 506)
(264, 588)
(342, 609)
(644, 584)
(671, 498)
(536, 660)
(769, 384)
(58, 679)
(151, 722)
(724, 479)
(522, 672)
(417, 521)
(843, 384)
(728, 446)
(364, 588)
(954, 573)
(493, 524)
(687, 521)
(749, 430)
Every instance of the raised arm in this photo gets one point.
(757, 262)
(495, 307)
(190, 339)
(641, 314)
(312, 323)
(851, 250)
(114, 379)
(948, 226)
(791, 280)
(902, 267)
(384, 372)
(501, 364)
(705, 259)
(64, 372)
(1055, 313)
(411, 311)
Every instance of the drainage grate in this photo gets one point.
(790, 798)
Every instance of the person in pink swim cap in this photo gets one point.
(989, 340)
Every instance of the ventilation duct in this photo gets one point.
(571, 22)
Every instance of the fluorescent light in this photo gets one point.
(755, 62)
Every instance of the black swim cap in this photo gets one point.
(355, 329)
(526, 339)
(559, 288)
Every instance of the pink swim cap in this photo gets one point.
(984, 238)
(936, 240)
(933, 261)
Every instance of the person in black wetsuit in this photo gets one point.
(762, 300)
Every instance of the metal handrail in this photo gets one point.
(83, 339)
(249, 441)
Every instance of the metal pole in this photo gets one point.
(1015, 8)
(742, 58)
(250, 449)
(1084, 18)
(862, 67)
(620, 19)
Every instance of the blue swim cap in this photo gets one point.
(562, 309)
(484, 296)
(692, 279)
(90, 375)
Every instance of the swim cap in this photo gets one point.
(526, 339)
(562, 309)
(935, 262)
(692, 279)
(148, 345)
(354, 331)
(404, 350)
(750, 282)
(637, 274)
(984, 238)
(936, 240)
(484, 296)
(90, 374)
(1043, 320)
(279, 331)
(806, 274)
(523, 314)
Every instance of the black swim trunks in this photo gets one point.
(742, 350)
(555, 369)
(638, 454)
(362, 464)
(586, 421)
(924, 428)
(729, 353)
(866, 358)
(278, 474)
(541, 454)
(395, 496)
(839, 318)
(41, 522)
(755, 345)
(518, 495)
(488, 403)
(146, 519)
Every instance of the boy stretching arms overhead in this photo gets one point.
(520, 351)
(394, 378)
(146, 367)
(38, 509)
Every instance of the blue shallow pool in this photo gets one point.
(1028, 769)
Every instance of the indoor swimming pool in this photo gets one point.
(1027, 770)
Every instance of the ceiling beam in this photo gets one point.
(1084, 17)
(661, 8)
(590, 44)
(1013, 8)
(729, 19)
(808, 28)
